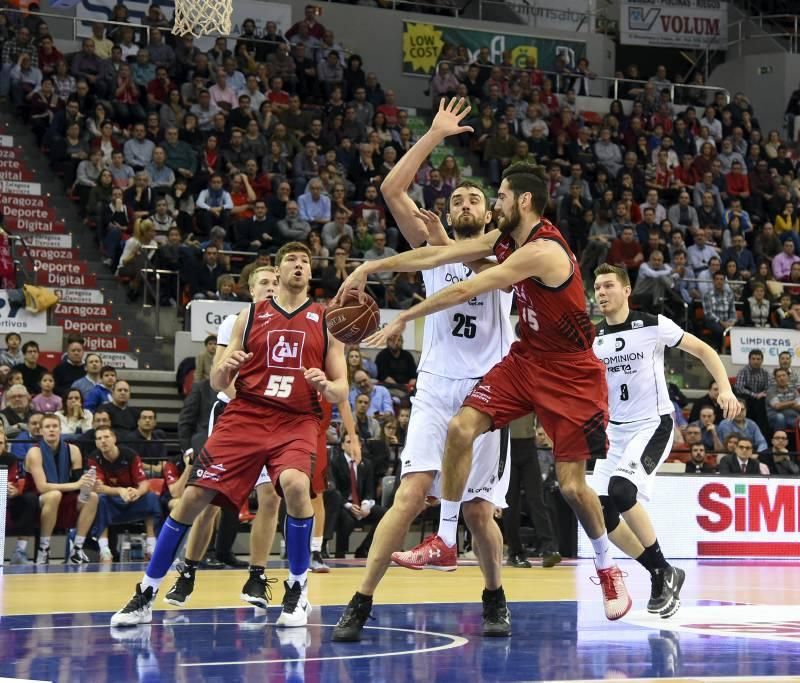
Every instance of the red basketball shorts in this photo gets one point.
(567, 392)
(248, 437)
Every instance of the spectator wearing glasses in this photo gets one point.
(380, 401)
(779, 459)
(743, 462)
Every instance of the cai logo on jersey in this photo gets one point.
(285, 349)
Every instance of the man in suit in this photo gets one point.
(698, 463)
(193, 418)
(354, 479)
(743, 461)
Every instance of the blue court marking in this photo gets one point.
(552, 641)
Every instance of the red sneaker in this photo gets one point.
(616, 601)
(432, 553)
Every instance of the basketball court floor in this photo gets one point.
(739, 622)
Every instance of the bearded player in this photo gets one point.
(460, 345)
(550, 371)
(282, 358)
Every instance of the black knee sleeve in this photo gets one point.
(610, 514)
(623, 493)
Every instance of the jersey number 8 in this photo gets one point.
(279, 386)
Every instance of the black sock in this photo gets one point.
(496, 593)
(652, 558)
(360, 597)
(191, 565)
(256, 571)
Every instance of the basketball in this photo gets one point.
(353, 321)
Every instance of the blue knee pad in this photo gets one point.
(610, 514)
(623, 493)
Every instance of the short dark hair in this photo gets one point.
(210, 337)
(108, 368)
(742, 437)
(291, 248)
(29, 345)
(523, 177)
(608, 269)
(471, 186)
(755, 352)
(12, 334)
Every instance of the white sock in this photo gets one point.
(448, 521)
(148, 582)
(316, 544)
(22, 545)
(151, 544)
(298, 577)
(602, 552)
(103, 543)
(79, 540)
(44, 542)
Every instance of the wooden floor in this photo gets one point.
(105, 588)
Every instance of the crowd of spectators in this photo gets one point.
(174, 155)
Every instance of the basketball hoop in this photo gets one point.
(202, 17)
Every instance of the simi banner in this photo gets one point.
(770, 341)
(686, 24)
(423, 43)
(698, 516)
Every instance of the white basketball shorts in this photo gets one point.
(436, 401)
(636, 451)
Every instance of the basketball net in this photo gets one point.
(203, 17)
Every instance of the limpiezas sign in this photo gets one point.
(705, 516)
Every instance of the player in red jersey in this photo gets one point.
(283, 358)
(551, 370)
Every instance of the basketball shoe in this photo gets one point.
(432, 553)
(257, 590)
(296, 606)
(665, 591)
(496, 615)
(351, 623)
(183, 588)
(616, 600)
(318, 565)
(139, 609)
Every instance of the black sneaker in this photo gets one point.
(180, 593)
(665, 590)
(550, 558)
(257, 590)
(139, 609)
(355, 615)
(78, 557)
(496, 615)
(519, 561)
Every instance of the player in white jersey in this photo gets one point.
(631, 345)
(460, 345)
(263, 284)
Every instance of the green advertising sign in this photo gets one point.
(423, 43)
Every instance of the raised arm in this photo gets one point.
(394, 187)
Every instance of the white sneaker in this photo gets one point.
(296, 606)
(43, 556)
(106, 555)
(139, 609)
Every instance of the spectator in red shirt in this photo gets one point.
(737, 184)
(176, 475)
(315, 29)
(277, 96)
(158, 89)
(125, 494)
(22, 513)
(626, 253)
(389, 109)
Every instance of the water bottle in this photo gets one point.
(125, 552)
(87, 488)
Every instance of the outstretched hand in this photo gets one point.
(449, 117)
(431, 220)
(378, 340)
(353, 286)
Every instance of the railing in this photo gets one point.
(766, 24)
(17, 242)
(154, 288)
(562, 81)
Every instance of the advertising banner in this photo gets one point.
(207, 316)
(20, 320)
(699, 516)
(548, 15)
(423, 43)
(688, 24)
(70, 295)
(20, 187)
(770, 341)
